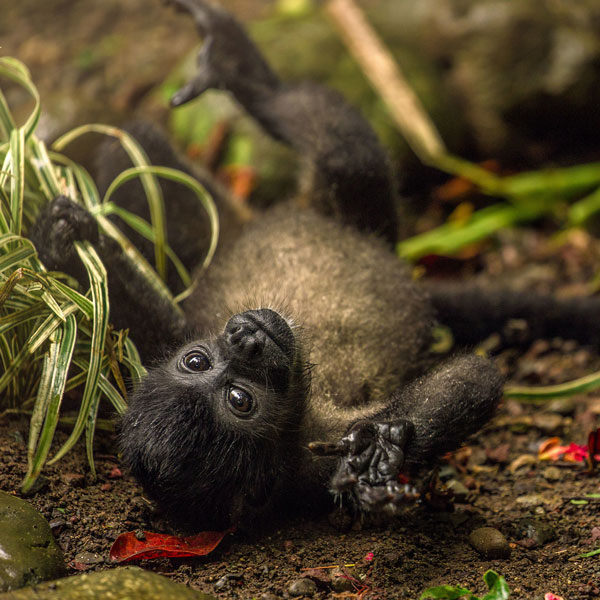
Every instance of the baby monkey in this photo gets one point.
(309, 335)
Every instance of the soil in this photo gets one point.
(540, 506)
(421, 547)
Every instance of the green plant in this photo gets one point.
(55, 337)
(497, 586)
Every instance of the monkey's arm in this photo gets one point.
(431, 416)
(348, 171)
(134, 304)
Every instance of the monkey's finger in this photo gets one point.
(191, 90)
(203, 13)
(328, 448)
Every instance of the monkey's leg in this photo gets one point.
(151, 320)
(348, 171)
(431, 416)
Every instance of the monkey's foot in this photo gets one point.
(227, 60)
(60, 224)
(372, 454)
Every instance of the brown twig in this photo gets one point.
(386, 77)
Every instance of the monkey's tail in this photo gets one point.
(473, 312)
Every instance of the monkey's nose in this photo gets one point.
(245, 338)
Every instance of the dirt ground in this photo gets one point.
(539, 506)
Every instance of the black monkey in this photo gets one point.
(307, 329)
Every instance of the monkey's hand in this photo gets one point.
(372, 454)
(60, 224)
(228, 59)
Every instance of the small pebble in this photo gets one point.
(73, 479)
(562, 406)
(340, 582)
(548, 422)
(459, 491)
(302, 587)
(552, 473)
(530, 500)
(489, 543)
(89, 558)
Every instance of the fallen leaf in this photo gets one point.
(521, 461)
(552, 449)
(593, 449)
(158, 545)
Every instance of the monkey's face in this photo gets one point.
(211, 432)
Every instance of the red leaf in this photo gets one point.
(158, 545)
(593, 448)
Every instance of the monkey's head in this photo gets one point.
(212, 432)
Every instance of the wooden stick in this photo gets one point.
(387, 79)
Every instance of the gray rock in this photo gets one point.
(302, 587)
(28, 551)
(129, 583)
(489, 542)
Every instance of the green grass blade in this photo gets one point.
(48, 401)
(20, 317)
(47, 328)
(87, 187)
(144, 228)
(540, 394)
(17, 182)
(53, 305)
(7, 123)
(16, 258)
(18, 72)
(99, 293)
(83, 303)
(138, 262)
(449, 238)
(583, 209)
(151, 187)
(44, 169)
(90, 428)
(9, 285)
(204, 198)
(133, 362)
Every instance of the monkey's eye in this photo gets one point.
(196, 361)
(240, 401)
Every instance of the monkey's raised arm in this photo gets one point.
(135, 305)
(433, 415)
(348, 174)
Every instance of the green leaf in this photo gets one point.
(542, 393)
(497, 586)
(447, 592)
(153, 191)
(588, 554)
(49, 397)
(18, 72)
(99, 291)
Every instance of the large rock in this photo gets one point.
(128, 583)
(28, 552)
